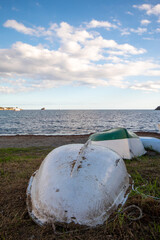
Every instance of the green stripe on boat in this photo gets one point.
(112, 134)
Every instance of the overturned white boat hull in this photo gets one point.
(78, 183)
(151, 143)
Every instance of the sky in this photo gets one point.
(80, 54)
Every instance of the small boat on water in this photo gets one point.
(16, 109)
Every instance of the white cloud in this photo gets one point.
(125, 31)
(129, 13)
(148, 38)
(145, 22)
(139, 30)
(6, 89)
(101, 43)
(34, 67)
(81, 58)
(98, 24)
(117, 22)
(150, 9)
(114, 59)
(66, 32)
(128, 31)
(149, 86)
(146, 7)
(20, 27)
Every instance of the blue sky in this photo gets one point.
(72, 54)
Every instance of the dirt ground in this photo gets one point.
(20, 156)
(23, 141)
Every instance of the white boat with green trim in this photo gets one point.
(127, 144)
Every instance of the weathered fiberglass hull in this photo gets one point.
(125, 143)
(151, 143)
(78, 183)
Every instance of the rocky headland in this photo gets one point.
(10, 108)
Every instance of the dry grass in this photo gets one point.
(16, 167)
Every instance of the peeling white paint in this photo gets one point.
(78, 183)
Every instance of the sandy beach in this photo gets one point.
(23, 141)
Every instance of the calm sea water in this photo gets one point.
(60, 122)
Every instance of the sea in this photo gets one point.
(76, 122)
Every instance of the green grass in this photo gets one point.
(18, 164)
(145, 171)
(22, 154)
(150, 188)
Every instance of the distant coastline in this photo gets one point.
(10, 109)
(158, 108)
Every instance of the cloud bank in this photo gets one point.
(83, 57)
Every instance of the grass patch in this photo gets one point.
(149, 189)
(17, 166)
(21, 154)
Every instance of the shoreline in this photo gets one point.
(24, 141)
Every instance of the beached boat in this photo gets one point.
(78, 183)
(127, 144)
(151, 143)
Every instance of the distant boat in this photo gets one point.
(17, 109)
(43, 108)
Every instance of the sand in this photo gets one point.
(23, 141)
